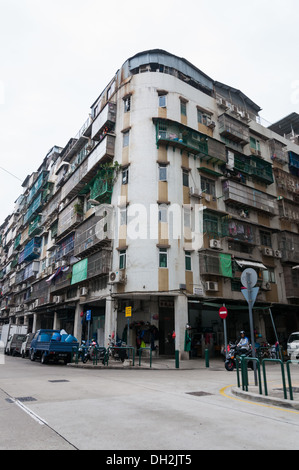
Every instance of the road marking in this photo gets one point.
(33, 415)
(222, 392)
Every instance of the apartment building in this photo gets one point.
(170, 189)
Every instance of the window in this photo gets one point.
(208, 186)
(123, 216)
(163, 258)
(110, 90)
(255, 144)
(186, 178)
(163, 211)
(126, 139)
(162, 131)
(210, 223)
(162, 101)
(122, 259)
(127, 104)
(183, 108)
(265, 238)
(202, 118)
(269, 275)
(125, 176)
(188, 260)
(162, 173)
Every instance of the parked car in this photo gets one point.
(14, 344)
(25, 348)
(293, 345)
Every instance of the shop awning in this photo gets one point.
(249, 264)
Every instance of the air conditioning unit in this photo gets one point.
(267, 252)
(83, 291)
(277, 254)
(211, 124)
(266, 286)
(211, 286)
(35, 303)
(215, 243)
(222, 103)
(57, 299)
(116, 277)
(195, 192)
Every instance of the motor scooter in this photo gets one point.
(116, 350)
(232, 351)
(93, 352)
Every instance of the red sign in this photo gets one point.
(223, 312)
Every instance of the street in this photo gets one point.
(65, 408)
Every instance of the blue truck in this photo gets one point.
(49, 345)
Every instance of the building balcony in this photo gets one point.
(294, 163)
(31, 251)
(245, 197)
(288, 244)
(70, 217)
(31, 270)
(291, 280)
(286, 181)
(98, 264)
(255, 167)
(181, 137)
(61, 281)
(41, 180)
(288, 211)
(35, 227)
(33, 209)
(89, 237)
(104, 122)
(219, 264)
(278, 152)
(233, 129)
(102, 153)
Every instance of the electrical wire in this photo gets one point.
(1, 168)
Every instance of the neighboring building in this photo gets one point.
(168, 192)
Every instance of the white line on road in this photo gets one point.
(31, 413)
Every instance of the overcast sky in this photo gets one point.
(56, 56)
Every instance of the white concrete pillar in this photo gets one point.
(56, 322)
(110, 319)
(78, 322)
(180, 322)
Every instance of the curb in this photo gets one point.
(256, 397)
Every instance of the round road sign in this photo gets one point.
(223, 312)
(252, 276)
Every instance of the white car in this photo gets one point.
(293, 346)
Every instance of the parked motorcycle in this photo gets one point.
(232, 352)
(116, 351)
(93, 352)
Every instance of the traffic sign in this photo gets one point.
(223, 312)
(252, 275)
(128, 311)
(254, 292)
(88, 315)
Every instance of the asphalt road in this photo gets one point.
(63, 408)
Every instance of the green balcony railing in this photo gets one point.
(255, 167)
(180, 136)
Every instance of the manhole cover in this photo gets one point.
(199, 394)
(56, 381)
(22, 399)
